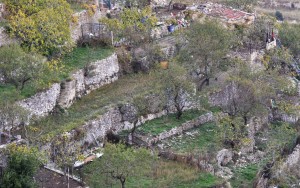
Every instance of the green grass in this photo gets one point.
(279, 135)
(81, 56)
(3, 23)
(200, 180)
(166, 123)
(201, 139)
(167, 174)
(244, 176)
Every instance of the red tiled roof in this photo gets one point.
(227, 13)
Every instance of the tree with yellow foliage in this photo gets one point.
(41, 25)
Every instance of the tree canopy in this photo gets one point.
(133, 24)
(290, 37)
(208, 43)
(18, 67)
(23, 162)
(41, 25)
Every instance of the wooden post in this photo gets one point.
(112, 38)
(81, 32)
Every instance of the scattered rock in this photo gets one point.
(179, 6)
(225, 173)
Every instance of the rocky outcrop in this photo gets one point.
(110, 121)
(224, 157)
(80, 83)
(223, 97)
(4, 38)
(292, 164)
(67, 93)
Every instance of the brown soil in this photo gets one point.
(48, 179)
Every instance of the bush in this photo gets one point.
(41, 26)
(18, 67)
(22, 166)
(279, 15)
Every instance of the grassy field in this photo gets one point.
(166, 123)
(244, 176)
(167, 174)
(202, 139)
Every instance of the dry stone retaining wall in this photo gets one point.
(113, 120)
(42, 103)
(177, 130)
(64, 94)
(101, 72)
(293, 159)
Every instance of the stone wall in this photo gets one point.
(115, 120)
(224, 96)
(81, 82)
(101, 72)
(2, 11)
(289, 118)
(150, 140)
(42, 103)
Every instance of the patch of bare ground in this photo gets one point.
(48, 179)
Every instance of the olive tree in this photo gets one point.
(118, 164)
(18, 67)
(207, 44)
(179, 89)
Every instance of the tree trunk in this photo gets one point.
(178, 114)
(245, 120)
(203, 82)
(23, 82)
(170, 3)
(178, 106)
(123, 182)
(206, 71)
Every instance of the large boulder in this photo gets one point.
(179, 6)
(224, 157)
(129, 113)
